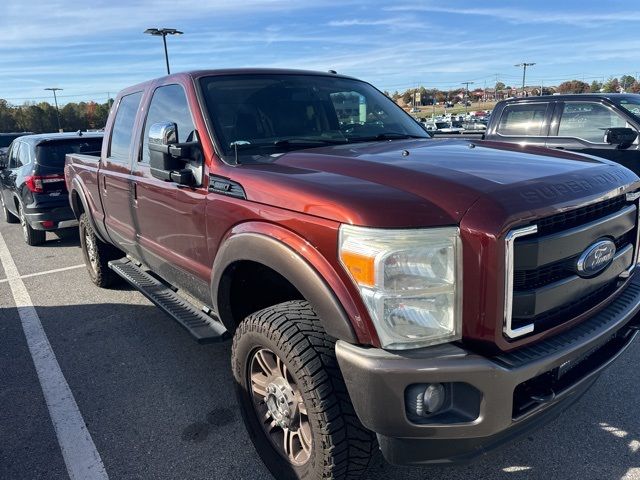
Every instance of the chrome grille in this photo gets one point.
(542, 285)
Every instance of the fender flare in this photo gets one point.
(76, 187)
(281, 258)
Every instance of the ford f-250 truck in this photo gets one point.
(383, 289)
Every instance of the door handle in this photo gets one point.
(134, 190)
(104, 184)
(559, 148)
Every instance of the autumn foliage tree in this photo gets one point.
(573, 86)
(41, 117)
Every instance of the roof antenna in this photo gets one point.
(79, 132)
(333, 71)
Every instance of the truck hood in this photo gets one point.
(412, 183)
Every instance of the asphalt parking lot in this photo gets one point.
(159, 406)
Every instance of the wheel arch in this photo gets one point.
(281, 258)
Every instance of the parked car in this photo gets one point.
(6, 139)
(601, 124)
(32, 188)
(433, 298)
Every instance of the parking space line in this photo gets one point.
(78, 450)
(46, 272)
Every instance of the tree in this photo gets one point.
(611, 86)
(573, 86)
(626, 81)
(596, 86)
(500, 86)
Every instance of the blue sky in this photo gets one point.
(92, 48)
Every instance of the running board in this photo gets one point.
(203, 327)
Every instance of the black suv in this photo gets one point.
(32, 187)
(601, 124)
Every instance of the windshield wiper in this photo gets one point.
(286, 142)
(385, 136)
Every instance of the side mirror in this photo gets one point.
(3, 161)
(622, 137)
(167, 157)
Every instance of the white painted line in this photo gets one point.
(46, 272)
(78, 450)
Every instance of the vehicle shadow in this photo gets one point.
(158, 405)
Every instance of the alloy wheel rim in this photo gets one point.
(91, 250)
(279, 406)
(23, 223)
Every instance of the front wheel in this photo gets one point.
(293, 399)
(97, 254)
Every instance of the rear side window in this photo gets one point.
(52, 154)
(122, 131)
(588, 121)
(523, 120)
(169, 104)
(14, 156)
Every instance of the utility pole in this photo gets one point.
(466, 107)
(163, 32)
(524, 66)
(55, 100)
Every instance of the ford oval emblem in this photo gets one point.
(596, 258)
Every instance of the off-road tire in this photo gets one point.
(97, 258)
(31, 237)
(6, 214)
(342, 448)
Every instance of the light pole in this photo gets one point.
(466, 107)
(55, 100)
(163, 32)
(524, 66)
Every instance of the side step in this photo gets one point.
(204, 328)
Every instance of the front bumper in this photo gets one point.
(498, 398)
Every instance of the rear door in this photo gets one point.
(171, 218)
(114, 176)
(580, 125)
(524, 122)
(10, 174)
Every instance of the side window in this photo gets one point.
(122, 130)
(24, 157)
(169, 104)
(523, 120)
(588, 121)
(14, 156)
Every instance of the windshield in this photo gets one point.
(51, 154)
(260, 115)
(631, 105)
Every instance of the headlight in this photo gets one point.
(410, 281)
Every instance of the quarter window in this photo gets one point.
(588, 121)
(169, 104)
(523, 120)
(122, 130)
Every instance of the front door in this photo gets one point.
(581, 125)
(171, 217)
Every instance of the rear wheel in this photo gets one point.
(293, 399)
(6, 214)
(97, 255)
(31, 237)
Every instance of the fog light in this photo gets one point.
(425, 399)
(433, 398)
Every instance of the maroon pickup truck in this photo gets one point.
(431, 298)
